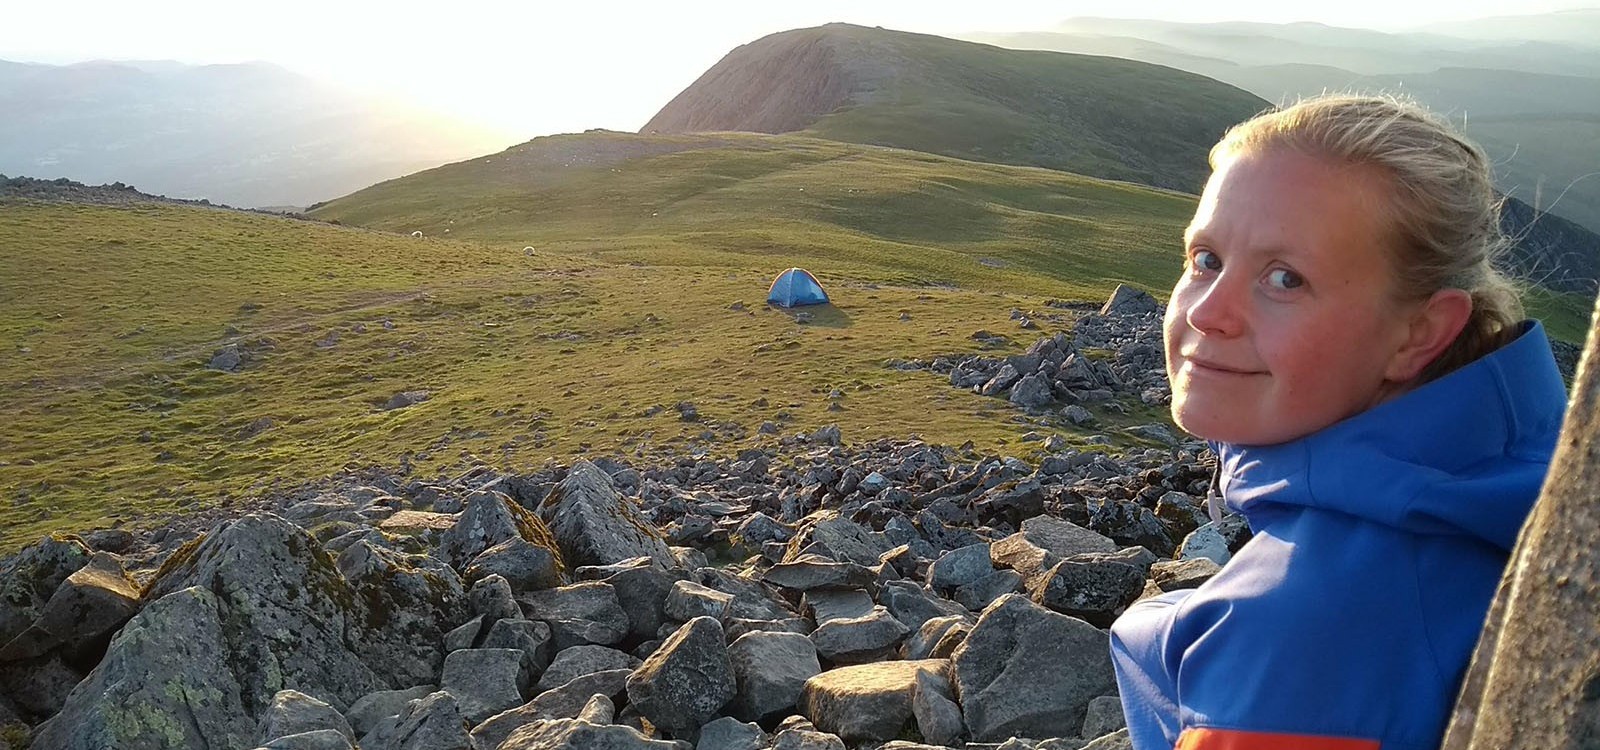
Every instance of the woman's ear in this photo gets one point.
(1433, 327)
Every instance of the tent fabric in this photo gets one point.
(796, 287)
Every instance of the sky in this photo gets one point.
(534, 67)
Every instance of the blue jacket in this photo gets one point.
(1348, 620)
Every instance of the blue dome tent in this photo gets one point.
(796, 287)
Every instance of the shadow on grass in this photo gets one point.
(825, 315)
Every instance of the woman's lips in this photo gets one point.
(1204, 365)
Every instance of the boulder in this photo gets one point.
(867, 701)
(580, 614)
(532, 637)
(728, 733)
(1044, 541)
(564, 702)
(833, 604)
(433, 722)
(316, 739)
(938, 716)
(484, 681)
(31, 577)
(687, 681)
(769, 670)
(293, 712)
(370, 709)
(853, 640)
(594, 525)
(642, 588)
(525, 565)
(578, 661)
(1029, 672)
(166, 681)
(1103, 717)
(688, 600)
(807, 572)
(572, 734)
(834, 537)
(488, 519)
(80, 616)
(1127, 300)
(960, 567)
(1091, 588)
(1172, 575)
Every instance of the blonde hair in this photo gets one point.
(1443, 207)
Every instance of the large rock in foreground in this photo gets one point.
(687, 680)
(594, 525)
(255, 608)
(1028, 672)
(165, 682)
(866, 702)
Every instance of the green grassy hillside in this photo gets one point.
(627, 306)
(1099, 116)
(583, 347)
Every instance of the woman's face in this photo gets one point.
(1284, 320)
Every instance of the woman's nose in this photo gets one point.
(1217, 308)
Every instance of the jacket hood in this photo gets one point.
(1463, 455)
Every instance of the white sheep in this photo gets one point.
(417, 233)
(527, 250)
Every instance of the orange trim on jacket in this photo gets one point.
(1205, 738)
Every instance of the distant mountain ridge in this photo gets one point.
(1097, 116)
(1526, 87)
(250, 134)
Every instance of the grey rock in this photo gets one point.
(1217, 540)
(531, 637)
(920, 644)
(738, 626)
(728, 733)
(759, 528)
(868, 701)
(484, 681)
(1127, 300)
(226, 359)
(316, 739)
(938, 717)
(1078, 416)
(1172, 575)
(433, 722)
(769, 670)
(1103, 717)
(39, 686)
(913, 606)
(174, 649)
(1095, 590)
(814, 571)
(580, 614)
(525, 565)
(1044, 541)
(31, 577)
(85, 608)
(1026, 671)
(594, 525)
(488, 519)
(960, 567)
(572, 734)
(1118, 740)
(404, 399)
(373, 707)
(490, 598)
(1032, 392)
(980, 593)
(838, 538)
(752, 599)
(688, 600)
(1129, 524)
(294, 712)
(1006, 377)
(854, 640)
(802, 739)
(564, 702)
(578, 661)
(599, 710)
(465, 636)
(687, 680)
(642, 588)
(833, 604)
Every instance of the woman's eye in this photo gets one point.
(1207, 260)
(1283, 278)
